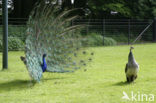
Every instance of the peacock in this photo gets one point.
(52, 43)
(44, 64)
(131, 68)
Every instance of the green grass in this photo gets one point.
(103, 82)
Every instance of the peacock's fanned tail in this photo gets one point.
(49, 32)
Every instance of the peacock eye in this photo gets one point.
(81, 61)
(92, 53)
(77, 48)
(90, 59)
(84, 52)
(75, 54)
(84, 64)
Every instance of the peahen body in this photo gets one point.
(49, 31)
(131, 68)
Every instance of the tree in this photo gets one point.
(22, 8)
(141, 9)
(10, 6)
(147, 9)
(105, 7)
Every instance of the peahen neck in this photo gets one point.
(131, 57)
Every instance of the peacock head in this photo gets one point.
(44, 55)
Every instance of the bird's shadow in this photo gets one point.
(121, 83)
(16, 85)
(21, 84)
(51, 79)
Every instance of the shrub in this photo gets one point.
(120, 38)
(97, 40)
(14, 44)
(17, 31)
(109, 41)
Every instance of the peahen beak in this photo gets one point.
(131, 48)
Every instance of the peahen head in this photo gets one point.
(131, 48)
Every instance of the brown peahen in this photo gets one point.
(131, 68)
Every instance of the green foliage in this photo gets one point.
(14, 44)
(106, 6)
(140, 9)
(17, 31)
(147, 8)
(108, 41)
(95, 39)
(120, 38)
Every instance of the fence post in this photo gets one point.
(5, 33)
(129, 30)
(87, 27)
(103, 31)
(154, 29)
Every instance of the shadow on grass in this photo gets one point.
(121, 83)
(16, 85)
(46, 79)
(21, 84)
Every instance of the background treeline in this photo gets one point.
(133, 9)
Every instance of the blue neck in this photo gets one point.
(44, 61)
(44, 65)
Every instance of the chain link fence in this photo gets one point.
(16, 34)
(124, 31)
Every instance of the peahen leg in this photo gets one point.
(136, 77)
(132, 78)
(127, 79)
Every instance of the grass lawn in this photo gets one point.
(103, 82)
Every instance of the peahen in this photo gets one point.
(49, 31)
(131, 68)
